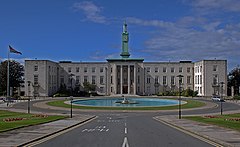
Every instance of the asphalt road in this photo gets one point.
(126, 130)
(135, 129)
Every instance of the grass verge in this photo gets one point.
(12, 120)
(231, 121)
(189, 104)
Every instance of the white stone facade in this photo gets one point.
(132, 77)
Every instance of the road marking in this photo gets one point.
(125, 131)
(100, 120)
(84, 130)
(190, 133)
(125, 142)
(34, 143)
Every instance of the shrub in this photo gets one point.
(236, 97)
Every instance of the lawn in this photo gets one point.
(231, 121)
(189, 104)
(12, 120)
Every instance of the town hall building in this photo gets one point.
(126, 75)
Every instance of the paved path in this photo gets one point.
(226, 137)
(23, 136)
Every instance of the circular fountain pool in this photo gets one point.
(133, 102)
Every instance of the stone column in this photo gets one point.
(134, 80)
(121, 79)
(129, 82)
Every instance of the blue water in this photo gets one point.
(141, 102)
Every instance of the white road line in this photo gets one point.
(107, 130)
(125, 142)
(125, 130)
(84, 130)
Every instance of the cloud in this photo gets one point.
(100, 55)
(191, 38)
(91, 11)
(20, 60)
(154, 23)
(211, 5)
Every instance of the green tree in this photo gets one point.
(16, 73)
(88, 87)
(234, 80)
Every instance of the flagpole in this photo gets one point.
(8, 76)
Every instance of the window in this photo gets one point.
(101, 69)
(93, 69)
(77, 79)
(172, 80)
(62, 80)
(148, 79)
(35, 68)
(156, 69)
(77, 69)
(85, 69)
(101, 89)
(188, 79)
(200, 79)
(215, 79)
(138, 69)
(111, 69)
(164, 69)
(164, 80)
(148, 69)
(69, 69)
(85, 79)
(111, 79)
(188, 70)
(181, 80)
(200, 68)
(180, 69)
(156, 79)
(138, 79)
(93, 79)
(172, 69)
(214, 67)
(35, 80)
(101, 79)
(148, 89)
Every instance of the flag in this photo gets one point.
(12, 50)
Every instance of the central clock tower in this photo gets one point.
(125, 53)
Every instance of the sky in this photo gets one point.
(159, 30)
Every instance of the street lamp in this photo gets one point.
(71, 98)
(179, 99)
(29, 83)
(221, 100)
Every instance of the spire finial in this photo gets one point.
(125, 26)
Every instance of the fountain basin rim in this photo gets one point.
(119, 98)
